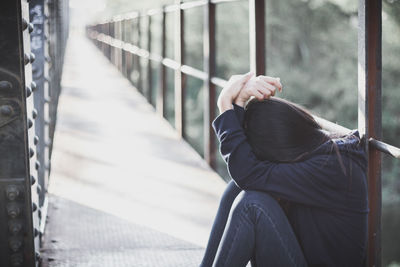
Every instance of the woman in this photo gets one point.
(298, 196)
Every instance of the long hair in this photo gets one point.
(281, 131)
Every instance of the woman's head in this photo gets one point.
(281, 131)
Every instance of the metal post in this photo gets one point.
(138, 64)
(112, 48)
(370, 113)
(129, 55)
(179, 77)
(18, 202)
(123, 52)
(149, 71)
(257, 36)
(209, 90)
(119, 50)
(163, 83)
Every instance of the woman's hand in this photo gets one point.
(231, 91)
(261, 87)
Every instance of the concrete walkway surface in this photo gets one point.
(124, 189)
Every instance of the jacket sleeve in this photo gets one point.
(312, 182)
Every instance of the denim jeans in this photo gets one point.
(251, 226)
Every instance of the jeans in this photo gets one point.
(251, 226)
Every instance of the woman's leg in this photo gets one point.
(258, 228)
(230, 193)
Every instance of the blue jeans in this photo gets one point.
(251, 226)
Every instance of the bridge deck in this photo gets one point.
(124, 190)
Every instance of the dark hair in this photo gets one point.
(281, 131)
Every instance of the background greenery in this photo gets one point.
(312, 46)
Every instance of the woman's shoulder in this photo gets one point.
(351, 138)
(349, 147)
(348, 142)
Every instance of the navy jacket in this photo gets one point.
(328, 208)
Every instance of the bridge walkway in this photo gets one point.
(125, 190)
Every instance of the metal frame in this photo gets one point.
(369, 85)
(370, 113)
(30, 74)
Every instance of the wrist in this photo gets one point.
(224, 105)
(240, 102)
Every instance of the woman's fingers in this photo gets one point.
(274, 81)
(257, 94)
(266, 87)
(241, 79)
(265, 92)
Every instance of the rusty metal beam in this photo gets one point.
(257, 36)
(209, 88)
(370, 113)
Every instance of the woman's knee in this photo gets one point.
(229, 195)
(263, 202)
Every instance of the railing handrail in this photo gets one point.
(199, 74)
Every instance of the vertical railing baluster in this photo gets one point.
(123, 51)
(112, 49)
(120, 49)
(179, 77)
(109, 34)
(370, 113)
(209, 87)
(149, 75)
(257, 36)
(163, 83)
(139, 59)
(129, 56)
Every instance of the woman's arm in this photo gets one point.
(241, 87)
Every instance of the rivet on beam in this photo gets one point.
(6, 110)
(37, 165)
(34, 207)
(28, 91)
(17, 260)
(31, 152)
(24, 24)
(14, 227)
(12, 192)
(34, 113)
(26, 59)
(37, 256)
(13, 210)
(5, 85)
(30, 123)
(30, 27)
(35, 140)
(33, 180)
(15, 244)
(32, 57)
(33, 86)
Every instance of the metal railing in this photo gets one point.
(33, 37)
(112, 37)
